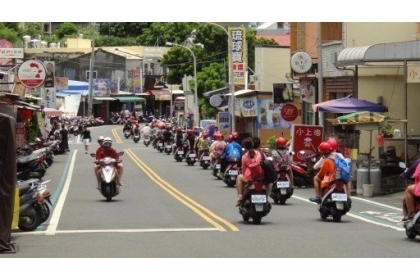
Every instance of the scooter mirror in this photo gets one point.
(402, 165)
(120, 153)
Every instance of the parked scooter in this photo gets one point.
(108, 174)
(254, 203)
(34, 210)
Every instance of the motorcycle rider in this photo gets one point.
(128, 126)
(232, 153)
(146, 130)
(167, 134)
(334, 146)
(410, 193)
(281, 156)
(179, 138)
(250, 159)
(205, 144)
(190, 139)
(106, 150)
(326, 174)
(216, 148)
(136, 130)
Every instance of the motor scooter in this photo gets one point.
(108, 174)
(334, 201)
(254, 202)
(33, 198)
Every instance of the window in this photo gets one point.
(94, 74)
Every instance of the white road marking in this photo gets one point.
(52, 226)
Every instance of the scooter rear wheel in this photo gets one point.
(410, 233)
(29, 222)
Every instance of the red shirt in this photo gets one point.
(103, 153)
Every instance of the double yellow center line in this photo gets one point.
(218, 222)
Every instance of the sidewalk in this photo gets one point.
(394, 199)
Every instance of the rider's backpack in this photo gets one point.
(343, 169)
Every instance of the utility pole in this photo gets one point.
(92, 56)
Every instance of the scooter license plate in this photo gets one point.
(217, 166)
(283, 185)
(258, 198)
(168, 147)
(233, 172)
(191, 155)
(206, 158)
(180, 152)
(339, 197)
(160, 144)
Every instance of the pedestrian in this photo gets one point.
(86, 138)
(64, 135)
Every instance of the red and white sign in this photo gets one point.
(32, 73)
(306, 139)
(289, 112)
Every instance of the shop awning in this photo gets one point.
(126, 99)
(50, 112)
(242, 92)
(104, 98)
(26, 104)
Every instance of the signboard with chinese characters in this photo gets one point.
(11, 53)
(306, 139)
(239, 56)
(413, 74)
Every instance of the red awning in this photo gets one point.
(49, 112)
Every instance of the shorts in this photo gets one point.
(86, 142)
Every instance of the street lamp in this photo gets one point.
(231, 85)
(196, 111)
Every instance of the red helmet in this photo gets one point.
(190, 132)
(324, 148)
(281, 142)
(235, 135)
(218, 136)
(333, 143)
(230, 138)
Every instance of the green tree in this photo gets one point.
(161, 32)
(33, 29)
(8, 34)
(123, 29)
(66, 29)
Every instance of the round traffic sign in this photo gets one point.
(31, 73)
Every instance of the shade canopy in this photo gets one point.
(348, 104)
(361, 118)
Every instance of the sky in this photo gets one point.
(214, 11)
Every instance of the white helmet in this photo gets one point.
(101, 139)
(107, 140)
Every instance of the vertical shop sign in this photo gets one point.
(239, 54)
(306, 139)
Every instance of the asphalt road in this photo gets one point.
(168, 209)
